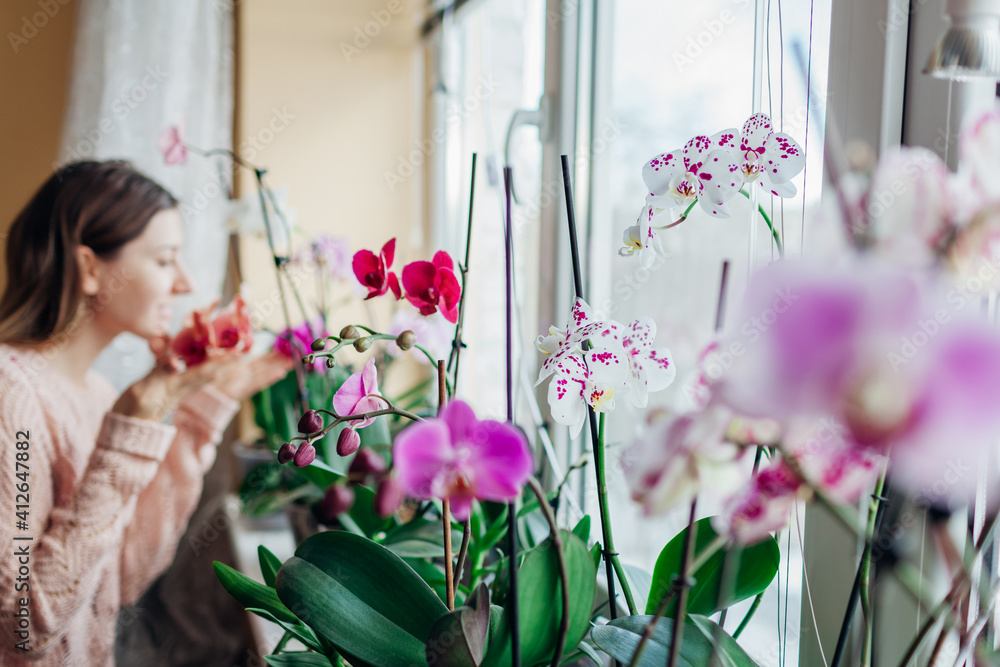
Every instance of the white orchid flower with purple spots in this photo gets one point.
(586, 382)
(649, 369)
(706, 171)
(562, 342)
(642, 241)
(770, 158)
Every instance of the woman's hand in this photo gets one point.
(248, 376)
(156, 395)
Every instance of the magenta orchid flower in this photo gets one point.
(770, 158)
(459, 458)
(359, 394)
(642, 241)
(585, 382)
(681, 456)
(706, 170)
(301, 343)
(431, 286)
(171, 144)
(372, 271)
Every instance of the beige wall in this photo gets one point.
(355, 114)
(34, 83)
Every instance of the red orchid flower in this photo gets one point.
(433, 285)
(232, 326)
(197, 339)
(372, 270)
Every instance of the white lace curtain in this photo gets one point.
(138, 67)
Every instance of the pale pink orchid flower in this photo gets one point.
(681, 456)
(171, 144)
(359, 394)
(876, 351)
(459, 458)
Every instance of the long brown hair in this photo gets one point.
(101, 205)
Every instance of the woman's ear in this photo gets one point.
(90, 272)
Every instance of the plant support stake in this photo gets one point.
(515, 622)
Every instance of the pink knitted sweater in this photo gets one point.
(107, 499)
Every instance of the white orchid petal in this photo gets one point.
(782, 158)
(658, 172)
(755, 133)
(721, 177)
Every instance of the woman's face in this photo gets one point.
(139, 286)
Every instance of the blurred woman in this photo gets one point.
(95, 490)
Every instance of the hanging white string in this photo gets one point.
(805, 147)
(759, 35)
(805, 577)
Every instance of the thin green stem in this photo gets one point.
(602, 500)
(767, 219)
(746, 619)
(866, 559)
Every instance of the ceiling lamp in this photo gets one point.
(970, 47)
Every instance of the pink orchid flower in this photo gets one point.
(460, 458)
(300, 346)
(171, 144)
(359, 394)
(875, 351)
(908, 210)
(432, 285)
(707, 170)
(372, 270)
(762, 507)
(679, 457)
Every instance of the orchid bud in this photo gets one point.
(310, 422)
(318, 345)
(307, 360)
(348, 442)
(388, 497)
(362, 344)
(330, 363)
(349, 332)
(366, 462)
(305, 455)
(337, 500)
(286, 453)
(406, 340)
